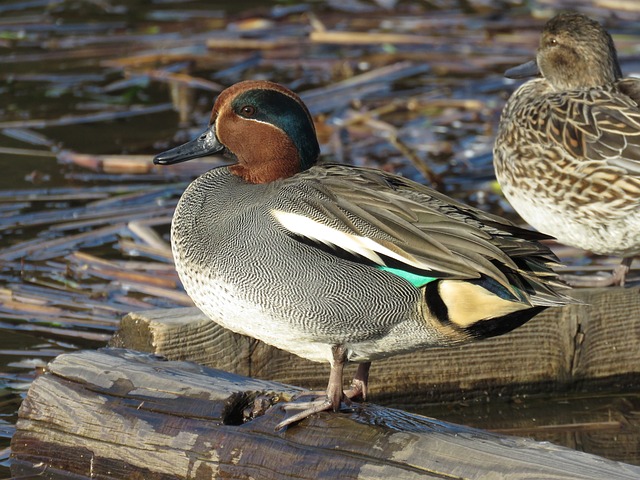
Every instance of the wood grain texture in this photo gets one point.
(558, 349)
(609, 342)
(115, 414)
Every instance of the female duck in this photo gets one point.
(567, 154)
(336, 263)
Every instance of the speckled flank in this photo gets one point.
(567, 153)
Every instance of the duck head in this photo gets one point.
(262, 126)
(575, 52)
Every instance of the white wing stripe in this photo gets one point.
(363, 246)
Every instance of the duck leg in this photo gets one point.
(334, 393)
(360, 383)
(617, 277)
(620, 272)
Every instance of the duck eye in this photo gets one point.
(553, 42)
(248, 111)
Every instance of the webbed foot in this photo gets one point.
(335, 396)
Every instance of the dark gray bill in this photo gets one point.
(526, 70)
(203, 145)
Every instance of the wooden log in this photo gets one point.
(115, 414)
(561, 349)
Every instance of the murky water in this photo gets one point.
(64, 64)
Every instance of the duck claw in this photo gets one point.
(310, 408)
(335, 396)
(358, 389)
(303, 405)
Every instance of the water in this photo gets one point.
(65, 60)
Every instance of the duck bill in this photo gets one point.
(203, 145)
(526, 70)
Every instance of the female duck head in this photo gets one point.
(263, 126)
(575, 52)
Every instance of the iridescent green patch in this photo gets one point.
(413, 278)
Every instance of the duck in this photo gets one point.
(337, 263)
(567, 150)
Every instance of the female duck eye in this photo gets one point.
(248, 111)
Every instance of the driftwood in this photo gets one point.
(575, 347)
(116, 414)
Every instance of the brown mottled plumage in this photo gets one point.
(567, 154)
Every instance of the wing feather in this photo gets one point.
(596, 125)
(387, 219)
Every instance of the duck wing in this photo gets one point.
(598, 126)
(393, 222)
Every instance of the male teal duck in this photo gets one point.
(336, 263)
(567, 153)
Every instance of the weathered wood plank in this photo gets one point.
(560, 348)
(607, 342)
(115, 414)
